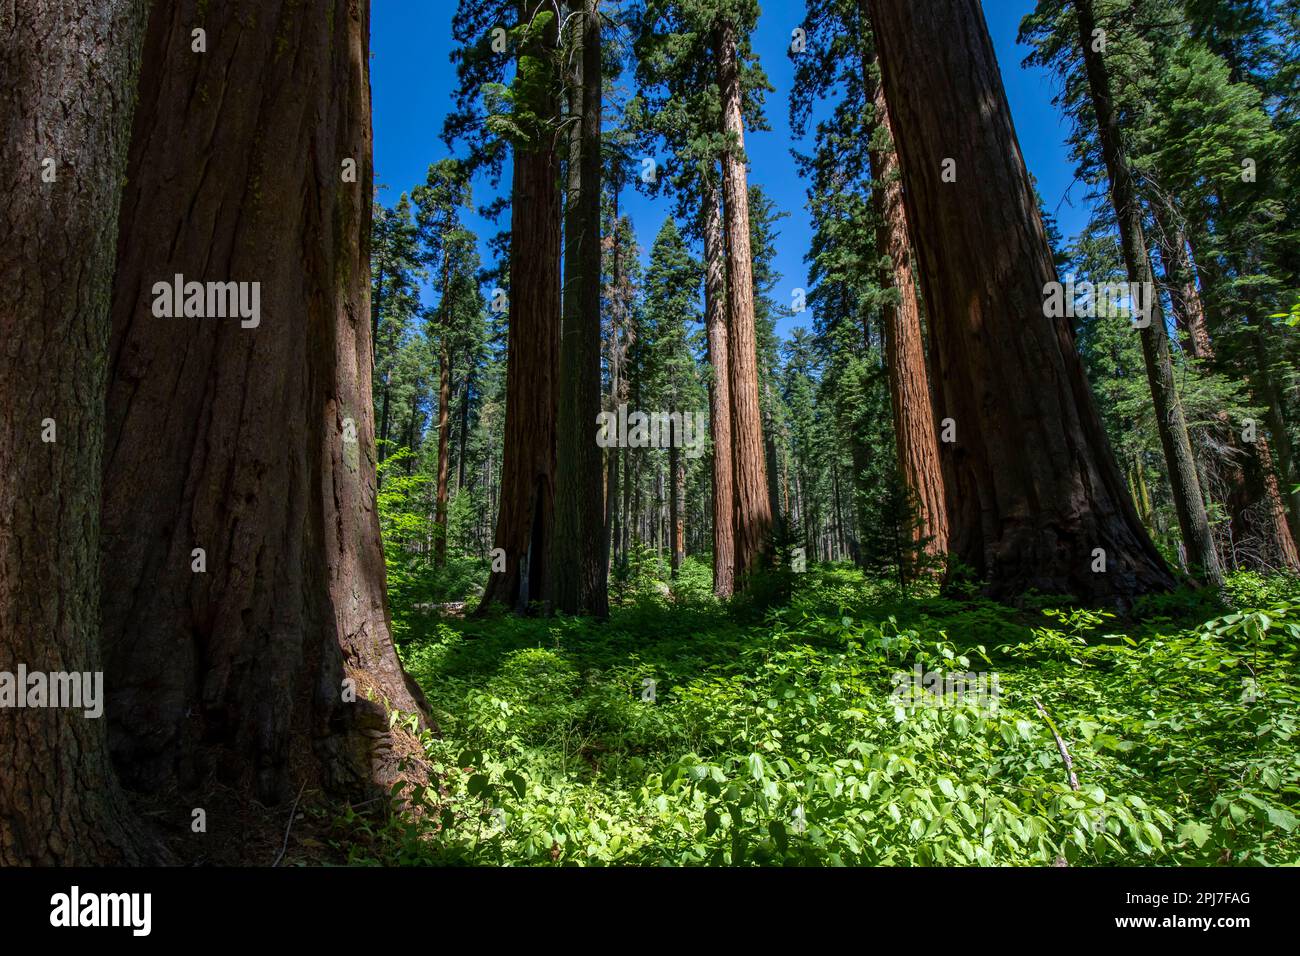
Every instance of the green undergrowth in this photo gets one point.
(683, 731)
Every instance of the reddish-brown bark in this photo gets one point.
(254, 444)
(752, 509)
(715, 322)
(916, 443)
(579, 565)
(526, 513)
(1032, 486)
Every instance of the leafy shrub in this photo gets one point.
(674, 735)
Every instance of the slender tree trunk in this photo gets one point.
(772, 465)
(612, 522)
(266, 657)
(629, 514)
(860, 458)
(752, 509)
(1286, 459)
(444, 451)
(915, 441)
(785, 485)
(715, 320)
(490, 490)
(65, 105)
(579, 572)
(384, 417)
(1180, 280)
(412, 431)
(615, 363)
(526, 514)
(1257, 515)
(1170, 421)
(1032, 487)
(461, 455)
(679, 520)
(376, 309)
(676, 479)
(642, 522)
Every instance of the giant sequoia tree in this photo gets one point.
(580, 552)
(752, 507)
(1035, 497)
(715, 322)
(244, 612)
(65, 105)
(679, 105)
(526, 513)
(841, 54)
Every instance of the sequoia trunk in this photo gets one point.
(526, 513)
(579, 571)
(916, 444)
(1035, 496)
(245, 613)
(752, 509)
(715, 320)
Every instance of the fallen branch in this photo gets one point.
(1060, 745)
(292, 813)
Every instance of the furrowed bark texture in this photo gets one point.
(1031, 484)
(526, 513)
(752, 509)
(1171, 423)
(67, 76)
(579, 545)
(254, 444)
(916, 442)
(715, 320)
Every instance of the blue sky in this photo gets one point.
(412, 81)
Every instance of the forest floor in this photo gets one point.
(683, 731)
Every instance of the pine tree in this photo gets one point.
(70, 71)
(449, 255)
(672, 286)
(1170, 418)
